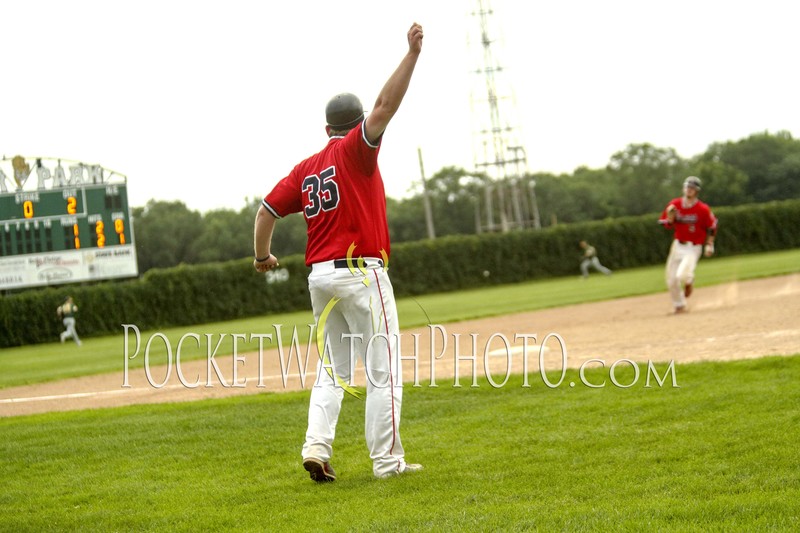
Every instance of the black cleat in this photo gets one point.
(319, 471)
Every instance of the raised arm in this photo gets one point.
(390, 97)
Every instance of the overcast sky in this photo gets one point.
(214, 102)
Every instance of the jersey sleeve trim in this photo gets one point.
(364, 136)
(270, 209)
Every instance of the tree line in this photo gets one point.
(637, 180)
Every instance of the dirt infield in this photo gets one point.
(731, 321)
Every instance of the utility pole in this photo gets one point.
(426, 201)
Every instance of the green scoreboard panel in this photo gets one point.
(65, 234)
(67, 219)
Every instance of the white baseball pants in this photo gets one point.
(681, 263)
(366, 307)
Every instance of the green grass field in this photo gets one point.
(719, 453)
(47, 362)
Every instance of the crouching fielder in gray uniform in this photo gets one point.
(67, 312)
(590, 259)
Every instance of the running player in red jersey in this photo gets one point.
(694, 225)
(341, 195)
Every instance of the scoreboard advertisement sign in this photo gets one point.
(62, 223)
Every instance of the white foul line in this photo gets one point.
(75, 395)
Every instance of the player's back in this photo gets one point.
(343, 200)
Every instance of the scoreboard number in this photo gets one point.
(119, 227)
(98, 229)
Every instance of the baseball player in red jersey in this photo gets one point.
(694, 225)
(341, 195)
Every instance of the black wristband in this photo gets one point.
(262, 259)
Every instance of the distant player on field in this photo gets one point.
(590, 259)
(694, 225)
(67, 312)
(341, 195)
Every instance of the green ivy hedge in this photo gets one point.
(193, 294)
(183, 295)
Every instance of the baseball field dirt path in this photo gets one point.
(731, 321)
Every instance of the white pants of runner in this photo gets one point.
(682, 261)
(69, 323)
(367, 308)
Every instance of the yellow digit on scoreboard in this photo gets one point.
(101, 238)
(119, 227)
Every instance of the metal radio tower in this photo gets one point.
(497, 151)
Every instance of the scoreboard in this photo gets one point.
(73, 232)
(67, 219)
